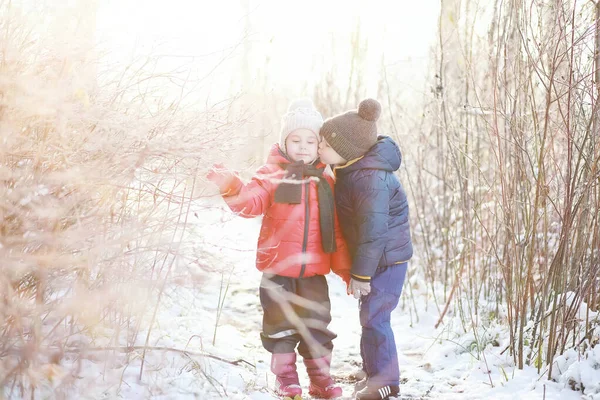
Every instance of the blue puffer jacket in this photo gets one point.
(373, 210)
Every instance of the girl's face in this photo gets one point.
(328, 155)
(302, 144)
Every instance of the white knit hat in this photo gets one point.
(301, 114)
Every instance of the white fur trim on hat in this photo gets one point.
(301, 114)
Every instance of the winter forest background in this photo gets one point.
(122, 274)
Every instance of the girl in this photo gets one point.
(299, 243)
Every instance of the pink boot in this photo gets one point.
(321, 384)
(283, 365)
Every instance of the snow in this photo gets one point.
(438, 363)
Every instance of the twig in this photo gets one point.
(209, 378)
(454, 286)
(129, 349)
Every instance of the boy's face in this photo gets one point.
(302, 144)
(328, 155)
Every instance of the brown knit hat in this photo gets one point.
(353, 133)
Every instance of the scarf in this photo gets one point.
(291, 193)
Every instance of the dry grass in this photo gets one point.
(505, 182)
(97, 180)
(502, 164)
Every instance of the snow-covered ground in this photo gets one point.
(435, 363)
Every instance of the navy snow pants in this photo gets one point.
(377, 344)
(296, 312)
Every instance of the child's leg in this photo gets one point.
(314, 309)
(317, 345)
(283, 365)
(378, 347)
(280, 336)
(322, 384)
(279, 333)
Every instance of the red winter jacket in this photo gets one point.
(290, 236)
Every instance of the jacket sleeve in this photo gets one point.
(371, 206)
(340, 259)
(251, 199)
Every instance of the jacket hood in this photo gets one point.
(384, 155)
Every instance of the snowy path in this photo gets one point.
(436, 369)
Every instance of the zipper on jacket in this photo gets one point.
(306, 221)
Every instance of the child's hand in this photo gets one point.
(358, 288)
(220, 176)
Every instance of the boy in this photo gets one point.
(373, 213)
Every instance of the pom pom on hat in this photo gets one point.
(369, 109)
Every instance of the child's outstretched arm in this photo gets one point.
(371, 206)
(248, 200)
(226, 180)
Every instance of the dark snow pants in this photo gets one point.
(296, 312)
(377, 344)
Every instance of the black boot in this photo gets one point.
(378, 393)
